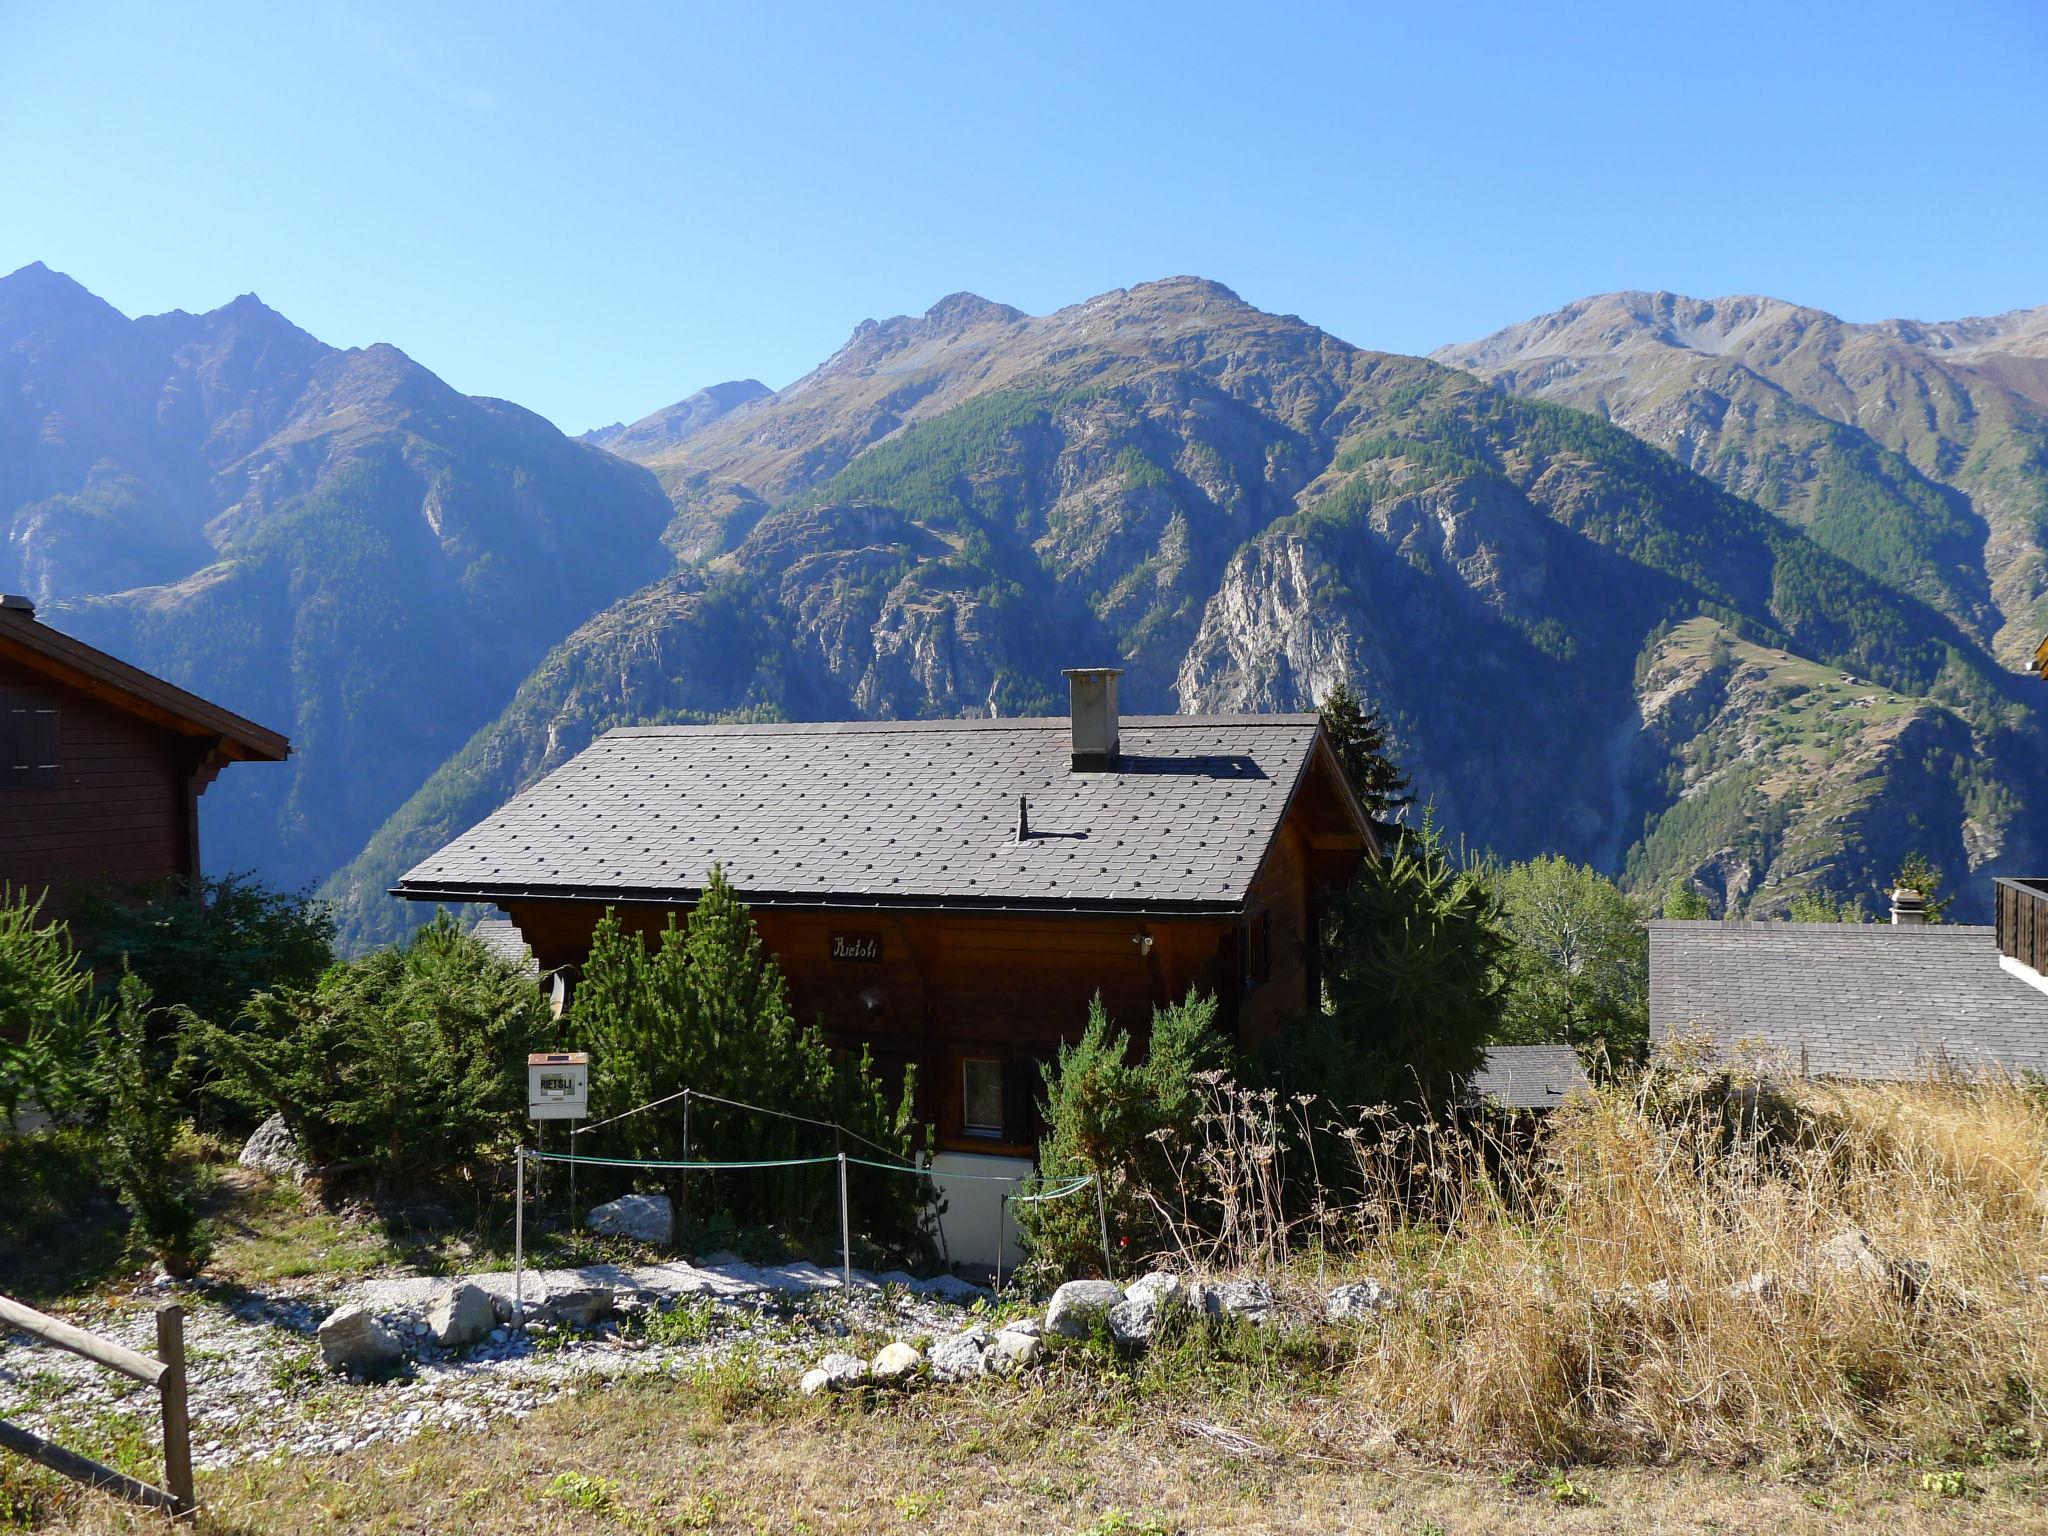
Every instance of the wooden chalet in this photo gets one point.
(953, 893)
(102, 764)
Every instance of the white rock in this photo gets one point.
(274, 1150)
(963, 1355)
(1031, 1327)
(1251, 1300)
(351, 1339)
(895, 1362)
(460, 1316)
(835, 1372)
(644, 1218)
(1755, 1287)
(1851, 1252)
(1077, 1304)
(1365, 1298)
(1159, 1286)
(581, 1307)
(1013, 1351)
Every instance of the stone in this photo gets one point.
(1031, 1327)
(952, 1288)
(725, 1258)
(460, 1316)
(834, 1373)
(351, 1339)
(1146, 1303)
(1013, 1351)
(963, 1355)
(643, 1218)
(1850, 1252)
(1077, 1304)
(1361, 1299)
(274, 1150)
(895, 1362)
(580, 1308)
(1251, 1300)
(1158, 1286)
(1754, 1287)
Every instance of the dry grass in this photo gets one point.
(1591, 1293)
(1060, 1456)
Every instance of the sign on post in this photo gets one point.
(558, 1085)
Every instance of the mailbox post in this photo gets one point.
(558, 1088)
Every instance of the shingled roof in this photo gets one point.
(1528, 1076)
(892, 813)
(1855, 1000)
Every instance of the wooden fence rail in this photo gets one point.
(166, 1373)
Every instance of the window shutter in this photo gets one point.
(43, 744)
(28, 740)
(1020, 1102)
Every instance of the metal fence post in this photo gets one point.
(845, 1234)
(1102, 1215)
(683, 1175)
(1002, 1213)
(170, 1348)
(519, 1238)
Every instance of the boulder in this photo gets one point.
(582, 1307)
(1754, 1287)
(351, 1339)
(1077, 1304)
(835, 1373)
(643, 1218)
(895, 1362)
(274, 1150)
(1030, 1327)
(1362, 1299)
(461, 1316)
(1251, 1300)
(963, 1355)
(1013, 1351)
(1851, 1253)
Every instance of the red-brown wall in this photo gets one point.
(122, 810)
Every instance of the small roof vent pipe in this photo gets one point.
(1092, 700)
(1908, 908)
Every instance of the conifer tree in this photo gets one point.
(1359, 736)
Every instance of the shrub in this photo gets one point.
(705, 1008)
(1576, 965)
(1121, 1121)
(409, 1060)
(46, 1012)
(208, 951)
(143, 1126)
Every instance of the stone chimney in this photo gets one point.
(1092, 695)
(1908, 908)
(15, 603)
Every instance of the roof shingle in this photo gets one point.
(895, 813)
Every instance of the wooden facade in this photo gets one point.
(102, 765)
(1002, 990)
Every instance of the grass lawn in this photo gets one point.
(728, 1453)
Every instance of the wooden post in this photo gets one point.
(170, 1348)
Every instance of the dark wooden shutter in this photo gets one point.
(28, 740)
(1020, 1103)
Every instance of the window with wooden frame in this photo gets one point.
(1255, 945)
(981, 1097)
(28, 740)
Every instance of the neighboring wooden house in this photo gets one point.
(953, 893)
(1527, 1079)
(101, 764)
(1894, 1000)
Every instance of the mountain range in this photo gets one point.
(1728, 591)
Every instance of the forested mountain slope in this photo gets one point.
(332, 542)
(1918, 452)
(1241, 509)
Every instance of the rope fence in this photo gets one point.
(523, 1156)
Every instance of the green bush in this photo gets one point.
(138, 1084)
(410, 1060)
(1576, 966)
(705, 1008)
(1124, 1122)
(46, 1011)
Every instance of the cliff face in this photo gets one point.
(1240, 510)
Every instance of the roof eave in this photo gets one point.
(674, 896)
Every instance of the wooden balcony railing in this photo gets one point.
(2023, 922)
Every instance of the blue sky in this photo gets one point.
(595, 209)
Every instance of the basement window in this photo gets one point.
(28, 740)
(981, 1098)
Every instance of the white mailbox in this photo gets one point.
(558, 1086)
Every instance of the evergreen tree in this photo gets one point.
(140, 1139)
(1359, 736)
(1820, 907)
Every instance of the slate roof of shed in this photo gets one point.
(1855, 1000)
(1528, 1076)
(892, 813)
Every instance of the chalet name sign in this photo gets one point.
(859, 948)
